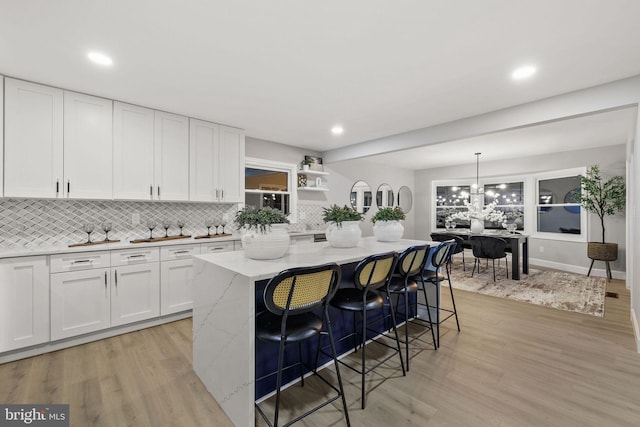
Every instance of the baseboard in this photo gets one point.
(596, 272)
(636, 329)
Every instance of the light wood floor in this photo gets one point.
(513, 364)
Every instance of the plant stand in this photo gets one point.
(602, 252)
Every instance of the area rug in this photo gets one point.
(555, 289)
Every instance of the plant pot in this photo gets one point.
(345, 235)
(388, 231)
(477, 226)
(272, 244)
(602, 251)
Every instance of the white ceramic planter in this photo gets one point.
(346, 235)
(477, 226)
(388, 231)
(270, 245)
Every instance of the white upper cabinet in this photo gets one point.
(88, 142)
(217, 162)
(231, 165)
(132, 152)
(171, 153)
(33, 152)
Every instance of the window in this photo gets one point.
(269, 183)
(556, 209)
(510, 199)
(449, 200)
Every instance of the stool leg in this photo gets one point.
(364, 341)
(426, 301)
(395, 330)
(609, 271)
(279, 380)
(406, 323)
(335, 363)
(453, 301)
(301, 367)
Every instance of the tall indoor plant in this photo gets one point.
(602, 197)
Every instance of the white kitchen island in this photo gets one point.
(224, 314)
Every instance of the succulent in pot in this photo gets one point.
(343, 229)
(263, 232)
(386, 224)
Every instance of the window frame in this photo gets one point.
(291, 169)
(584, 217)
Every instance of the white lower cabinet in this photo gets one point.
(80, 302)
(24, 302)
(135, 293)
(175, 278)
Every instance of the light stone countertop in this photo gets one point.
(305, 255)
(17, 251)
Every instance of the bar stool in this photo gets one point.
(441, 257)
(410, 264)
(291, 298)
(371, 274)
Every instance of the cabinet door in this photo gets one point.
(176, 286)
(132, 152)
(135, 293)
(171, 152)
(33, 140)
(203, 152)
(231, 165)
(88, 156)
(24, 302)
(80, 302)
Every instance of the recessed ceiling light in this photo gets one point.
(523, 72)
(100, 58)
(337, 130)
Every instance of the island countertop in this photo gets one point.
(304, 256)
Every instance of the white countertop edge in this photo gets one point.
(52, 250)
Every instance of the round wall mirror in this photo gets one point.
(384, 196)
(361, 196)
(405, 199)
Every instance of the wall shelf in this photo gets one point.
(312, 172)
(313, 189)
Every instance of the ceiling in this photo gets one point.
(288, 70)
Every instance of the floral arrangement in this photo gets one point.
(337, 215)
(250, 217)
(487, 213)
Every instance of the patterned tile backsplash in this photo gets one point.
(35, 223)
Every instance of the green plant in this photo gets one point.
(599, 196)
(337, 215)
(388, 214)
(250, 217)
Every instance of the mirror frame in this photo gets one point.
(407, 194)
(365, 208)
(379, 196)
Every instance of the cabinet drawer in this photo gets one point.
(134, 256)
(79, 261)
(168, 253)
(209, 248)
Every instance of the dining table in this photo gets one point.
(519, 246)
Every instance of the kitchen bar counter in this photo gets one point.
(224, 314)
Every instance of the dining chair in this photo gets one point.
(489, 248)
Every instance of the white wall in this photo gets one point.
(568, 255)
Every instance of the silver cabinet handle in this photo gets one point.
(158, 191)
(68, 187)
(222, 194)
(180, 252)
(151, 190)
(105, 280)
(57, 187)
(81, 261)
(137, 256)
(116, 277)
(217, 249)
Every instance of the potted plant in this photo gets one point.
(263, 232)
(602, 197)
(386, 224)
(305, 164)
(343, 229)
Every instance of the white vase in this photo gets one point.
(477, 226)
(388, 231)
(271, 244)
(345, 235)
